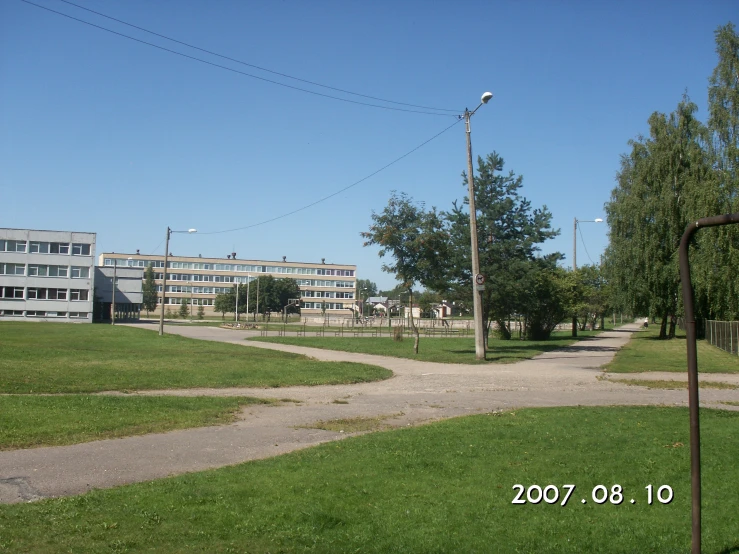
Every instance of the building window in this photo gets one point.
(12, 245)
(78, 315)
(15, 293)
(59, 248)
(38, 270)
(80, 249)
(35, 313)
(80, 272)
(12, 269)
(14, 313)
(57, 294)
(79, 294)
(58, 271)
(39, 248)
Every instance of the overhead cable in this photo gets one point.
(235, 70)
(335, 193)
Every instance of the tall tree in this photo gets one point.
(659, 188)
(417, 242)
(184, 310)
(509, 232)
(149, 289)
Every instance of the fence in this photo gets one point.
(723, 335)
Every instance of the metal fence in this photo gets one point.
(723, 335)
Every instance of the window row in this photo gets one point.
(191, 301)
(196, 290)
(325, 294)
(322, 305)
(121, 262)
(320, 283)
(39, 313)
(76, 272)
(35, 293)
(37, 247)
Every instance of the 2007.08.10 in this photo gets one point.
(550, 494)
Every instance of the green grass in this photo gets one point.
(456, 350)
(445, 487)
(31, 420)
(646, 352)
(673, 385)
(55, 358)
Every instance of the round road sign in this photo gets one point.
(480, 279)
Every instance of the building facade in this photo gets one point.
(46, 275)
(128, 292)
(324, 288)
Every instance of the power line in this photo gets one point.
(256, 66)
(585, 247)
(338, 191)
(234, 70)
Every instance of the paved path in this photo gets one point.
(418, 392)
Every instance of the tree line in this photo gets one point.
(430, 249)
(682, 171)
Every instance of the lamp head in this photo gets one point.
(486, 97)
(192, 230)
(598, 220)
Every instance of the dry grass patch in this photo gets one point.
(354, 424)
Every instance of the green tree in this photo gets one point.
(201, 312)
(417, 242)
(224, 303)
(184, 310)
(149, 289)
(510, 233)
(426, 301)
(659, 188)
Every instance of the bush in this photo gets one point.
(201, 312)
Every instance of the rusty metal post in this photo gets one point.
(688, 302)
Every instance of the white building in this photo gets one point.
(46, 275)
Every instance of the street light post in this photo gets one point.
(112, 306)
(574, 259)
(164, 275)
(476, 295)
(237, 301)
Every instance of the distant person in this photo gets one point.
(646, 322)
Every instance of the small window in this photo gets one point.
(80, 272)
(59, 248)
(80, 250)
(79, 294)
(12, 245)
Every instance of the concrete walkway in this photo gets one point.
(418, 392)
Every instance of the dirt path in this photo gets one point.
(419, 392)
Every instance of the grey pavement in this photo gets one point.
(419, 392)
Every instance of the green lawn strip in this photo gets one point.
(659, 384)
(30, 420)
(53, 358)
(459, 350)
(445, 487)
(646, 352)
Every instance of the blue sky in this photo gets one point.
(101, 133)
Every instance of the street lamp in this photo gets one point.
(363, 302)
(164, 276)
(574, 259)
(476, 276)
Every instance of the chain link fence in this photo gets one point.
(723, 335)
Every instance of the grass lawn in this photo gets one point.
(54, 358)
(30, 420)
(646, 352)
(446, 487)
(674, 385)
(455, 350)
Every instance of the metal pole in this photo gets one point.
(164, 283)
(693, 400)
(248, 282)
(574, 269)
(476, 296)
(112, 308)
(237, 300)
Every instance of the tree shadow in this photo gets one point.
(729, 550)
